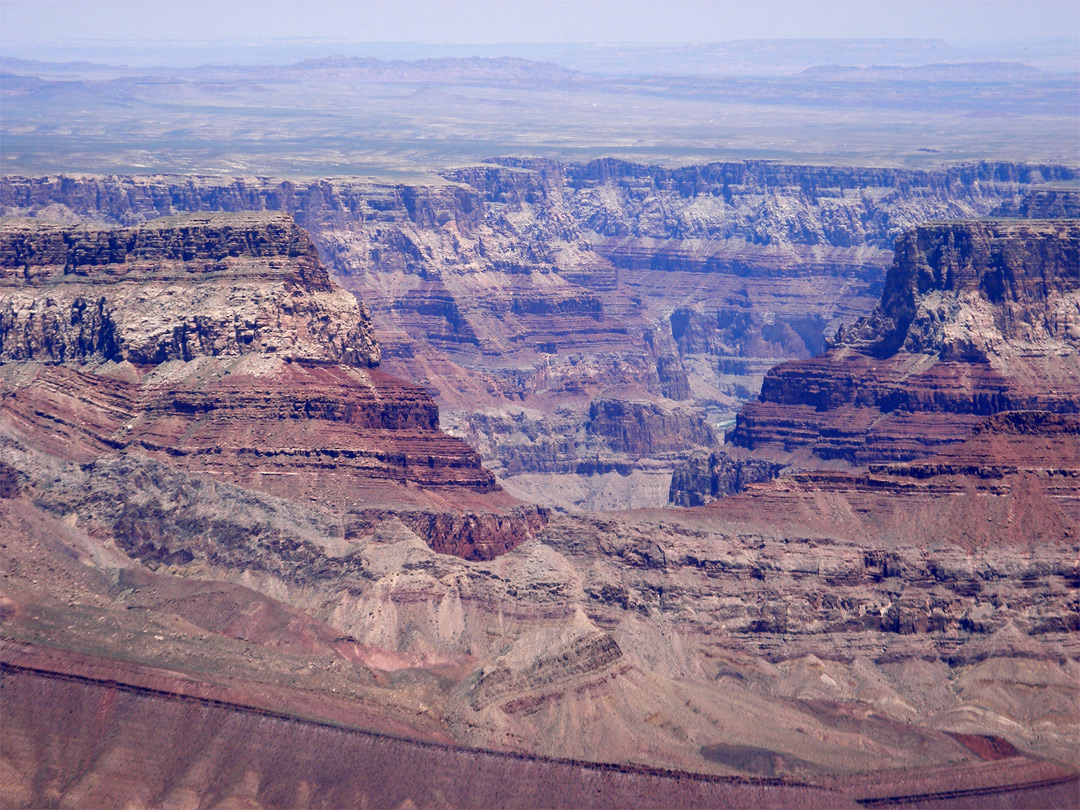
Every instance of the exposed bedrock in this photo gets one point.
(645, 429)
(542, 284)
(1047, 202)
(830, 621)
(739, 333)
(705, 478)
(762, 202)
(219, 345)
(629, 447)
(673, 377)
(267, 526)
(1003, 444)
(739, 258)
(976, 318)
(247, 547)
(840, 620)
(209, 285)
(1018, 457)
(1020, 276)
(826, 622)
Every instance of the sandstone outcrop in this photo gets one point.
(976, 318)
(543, 285)
(218, 344)
(198, 286)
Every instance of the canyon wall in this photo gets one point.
(208, 285)
(527, 286)
(976, 318)
(228, 543)
(217, 342)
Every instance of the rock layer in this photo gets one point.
(210, 285)
(218, 344)
(706, 478)
(976, 318)
(263, 534)
(541, 285)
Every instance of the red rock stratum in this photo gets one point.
(218, 343)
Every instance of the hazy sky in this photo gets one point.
(24, 23)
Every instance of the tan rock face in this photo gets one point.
(199, 286)
(976, 318)
(218, 343)
(535, 286)
(978, 289)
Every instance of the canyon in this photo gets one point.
(976, 319)
(519, 291)
(247, 552)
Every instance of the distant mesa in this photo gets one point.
(940, 71)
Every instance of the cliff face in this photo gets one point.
(539, 285)
(976, 318)
(218, 344)
(202, 286)
(643, 429)
(760, 202)
(620, 458)
(1046, 202)
(976, 290)
(705, 478)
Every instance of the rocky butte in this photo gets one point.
(976, 319)
(223, 571)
